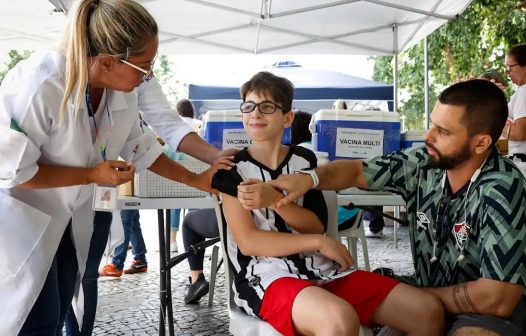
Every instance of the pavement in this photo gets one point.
(129, 305)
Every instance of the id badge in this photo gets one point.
(105, 198)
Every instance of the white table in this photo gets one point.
(163, 224)
(372, 198)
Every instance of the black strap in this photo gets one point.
(194, 249)
(351, 205)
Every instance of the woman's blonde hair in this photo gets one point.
(117, 28)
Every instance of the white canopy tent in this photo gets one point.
(369, 27)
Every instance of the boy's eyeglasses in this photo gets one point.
(265, 107)
(148, 74)
(509, 66)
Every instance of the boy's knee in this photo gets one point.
(342, 319)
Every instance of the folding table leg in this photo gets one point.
(395, 225)
(162, 272)
(169, 306)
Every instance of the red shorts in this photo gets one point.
(365, 291)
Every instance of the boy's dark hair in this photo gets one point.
(519, 53)
(185, 108)
(264, 82)
(299, 129)
(486, 108)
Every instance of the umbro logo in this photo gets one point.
(421, 220)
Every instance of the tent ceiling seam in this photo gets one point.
(420, 25)
(223, 7)
(409, 9)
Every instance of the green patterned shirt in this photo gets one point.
(492, 236)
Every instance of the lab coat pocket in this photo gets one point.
(21, 228)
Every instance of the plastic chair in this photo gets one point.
(351, 235)
(242, 324)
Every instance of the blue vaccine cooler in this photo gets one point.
(346, 134)
(224, 129)
(410, 139)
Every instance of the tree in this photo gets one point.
(462, 48)
(15, 56)
(172, 87)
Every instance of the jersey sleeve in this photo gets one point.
(502, 240)
(395, 172)
(226, 181)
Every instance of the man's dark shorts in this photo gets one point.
(512, 326)
(515, 325)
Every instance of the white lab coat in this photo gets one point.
(32, 221)
(167, 124)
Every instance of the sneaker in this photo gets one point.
(371, 234)
(137, 266)
(110, 270)
(196, 290)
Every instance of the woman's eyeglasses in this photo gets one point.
(265, 107)
(148, 74)
(509, 66)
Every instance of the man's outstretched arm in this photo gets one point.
(482, 296)
(337, 175)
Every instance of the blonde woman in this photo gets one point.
(75, 111)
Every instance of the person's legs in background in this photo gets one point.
(48, 313)
(376, 223)
(197, 226)
(175, 216)
(119, 254)
(99, 239)
(139, 264)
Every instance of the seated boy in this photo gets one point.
(286, 271)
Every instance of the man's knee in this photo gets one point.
(473, 331)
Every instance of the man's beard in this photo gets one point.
(450, 161)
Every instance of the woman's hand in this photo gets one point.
(336, 251)
(203, 181)
(111, 172)
(256, 194)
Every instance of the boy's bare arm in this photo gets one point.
(254, 242)
(255, 194)
(301, 219)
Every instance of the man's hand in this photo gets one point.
(111, 172)
(296, 185)
(256, 194)
(336, 251)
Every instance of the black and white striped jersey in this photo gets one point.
(253, 275)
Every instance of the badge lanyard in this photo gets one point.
(432, 230)
(91, 113)
(105, 196)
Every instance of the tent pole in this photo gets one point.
(426, 85)
(395, 67)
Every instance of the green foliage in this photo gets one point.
(462, 48)
(15, 56)
(171, 86)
